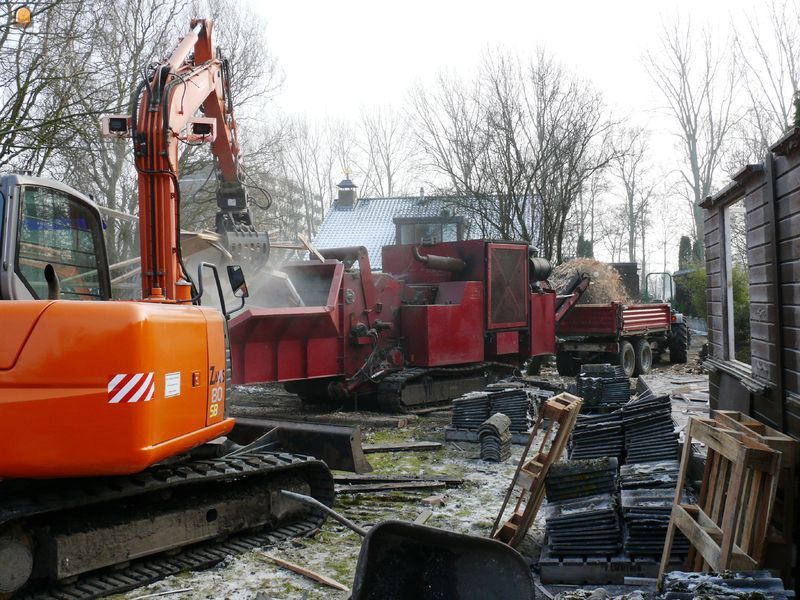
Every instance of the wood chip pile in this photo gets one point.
(606, 283)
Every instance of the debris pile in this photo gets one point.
(583, 526)
(596, 436)
(645, 513)
(573, 479)
(649, 430)
(603, 386)
(745, 584)
(606, 283)
(495, 437)
(470, 410)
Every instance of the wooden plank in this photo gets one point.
(759, 235)
(733, 503)
(698, 536)
(405, 486)
(431, 409)
(787, 182)
(788, 204)
(318, 577)
(347, 418)
(310, 247)
(423, 517)
(788, 226)
(760, 274)
(401, 447)
(760, 255)
(346, 478)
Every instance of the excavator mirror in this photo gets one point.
(238, 283)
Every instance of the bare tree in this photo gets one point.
(39, 65)
(633, 173)
(574, 132)
(517, 145)
(129, 34)
(309, 162)
(698, 85)
(770, 55)
(387, 152)
(613, 231)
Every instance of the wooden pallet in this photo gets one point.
(727, 527)
(779, 551)
(557, 419)
(598, 570)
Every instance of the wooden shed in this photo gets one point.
(768, 387)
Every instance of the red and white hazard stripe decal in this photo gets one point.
(125, 387)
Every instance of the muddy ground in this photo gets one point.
(470, 508)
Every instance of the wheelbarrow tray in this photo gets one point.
(400, 560)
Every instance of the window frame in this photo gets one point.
(103, 278)
(399, 222)
(726, 281)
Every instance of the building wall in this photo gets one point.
(769, 387)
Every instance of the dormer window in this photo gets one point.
(428, 230)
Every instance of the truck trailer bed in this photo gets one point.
(614, 320)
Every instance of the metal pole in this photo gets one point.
(333, 514)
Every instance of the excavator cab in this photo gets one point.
(51, 242)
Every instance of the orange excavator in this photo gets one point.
(113, 417)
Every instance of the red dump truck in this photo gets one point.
(631, 335)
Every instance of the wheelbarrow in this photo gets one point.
(401, 560)
(406, 561)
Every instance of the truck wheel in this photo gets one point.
(644, 357)
(679, 343)
(567, 366)
(627, 358)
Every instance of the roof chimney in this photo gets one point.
(346, 196)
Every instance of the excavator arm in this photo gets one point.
(165, 111)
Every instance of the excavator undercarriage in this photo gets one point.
(91, 537)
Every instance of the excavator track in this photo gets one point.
(418, 387)
(58, 520)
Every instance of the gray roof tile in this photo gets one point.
(370, 223)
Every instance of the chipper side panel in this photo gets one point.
(449, 332)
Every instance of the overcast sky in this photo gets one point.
(338, 56)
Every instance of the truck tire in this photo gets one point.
(644, 357)
(679, 343)
(567, 366)
(627, 358)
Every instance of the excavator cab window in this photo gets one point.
(60, 230)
